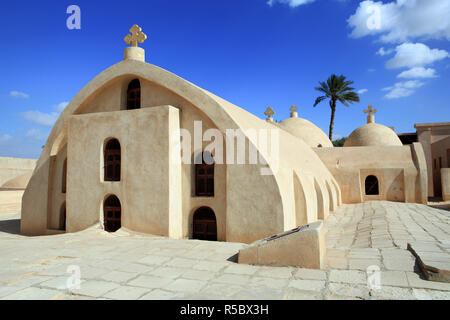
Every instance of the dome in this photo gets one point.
(307, 131)
(373, 134)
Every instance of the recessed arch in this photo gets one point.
(112, 214)
(372, 186)
(204, 224)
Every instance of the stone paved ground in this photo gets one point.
(127, 265)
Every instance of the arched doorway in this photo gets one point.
(372, 187)
(204, 224)
(112, 214)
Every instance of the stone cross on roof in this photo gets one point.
(269, 113)
(136, 36)
(371, 112)
(294, 111)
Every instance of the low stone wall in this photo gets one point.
(15, 172)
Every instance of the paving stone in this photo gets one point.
(276, 272)
(295, 294)
(271, 283)
(186, 285)
(150, 282)
(241, 269)
(167, 272)
(199, 275)
(422, 294)
(159, 294)
(307, 285)
(399, 263)
(126, 293)
(363, 264)
(32, 293)
(311, 274)
(348, 276)
(233, 279)
(392, 293)
(154, 260)
(415, 281)
(94, 288)
(394, 278)
(354, 290)
(119, 276)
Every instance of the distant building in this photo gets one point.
(435, 139)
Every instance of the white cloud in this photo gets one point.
(362, 91)
(415, 55)
(36, 134)
(41, 118)
(292, 3)
(418, 73)
(5, 138)
(18, 94)
(402, 20)
(61, 106)
(402, 89)
(383, 52)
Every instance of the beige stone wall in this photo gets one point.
(440, 153)
(248, 205)
(147, 187)
(445, 180)
(11, 168)
(435, 139)
(400, 174)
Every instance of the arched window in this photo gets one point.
(134, 95)
(204, 177)
(204, 224)
(62, 217)
(112, 160)
(64, 177)
(372, 187)
(112, 214)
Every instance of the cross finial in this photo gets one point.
(269, 113)
(371, 112)
(293, 111)
(136, 36)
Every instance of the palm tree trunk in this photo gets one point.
(333, 111)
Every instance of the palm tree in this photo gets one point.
(336, 89)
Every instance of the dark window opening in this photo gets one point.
(372, 187)
(112, 160)
(62, 217)
(204, 224)
(204, 179)
(134, 95)
(112, 214)
(64, 177)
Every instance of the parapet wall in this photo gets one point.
(15, 172)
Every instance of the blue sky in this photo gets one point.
(253, 53)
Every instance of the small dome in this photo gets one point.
(373, 134)
(307, 131)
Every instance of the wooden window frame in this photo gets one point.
(115, 163)
(208, 174)
(135, 101)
